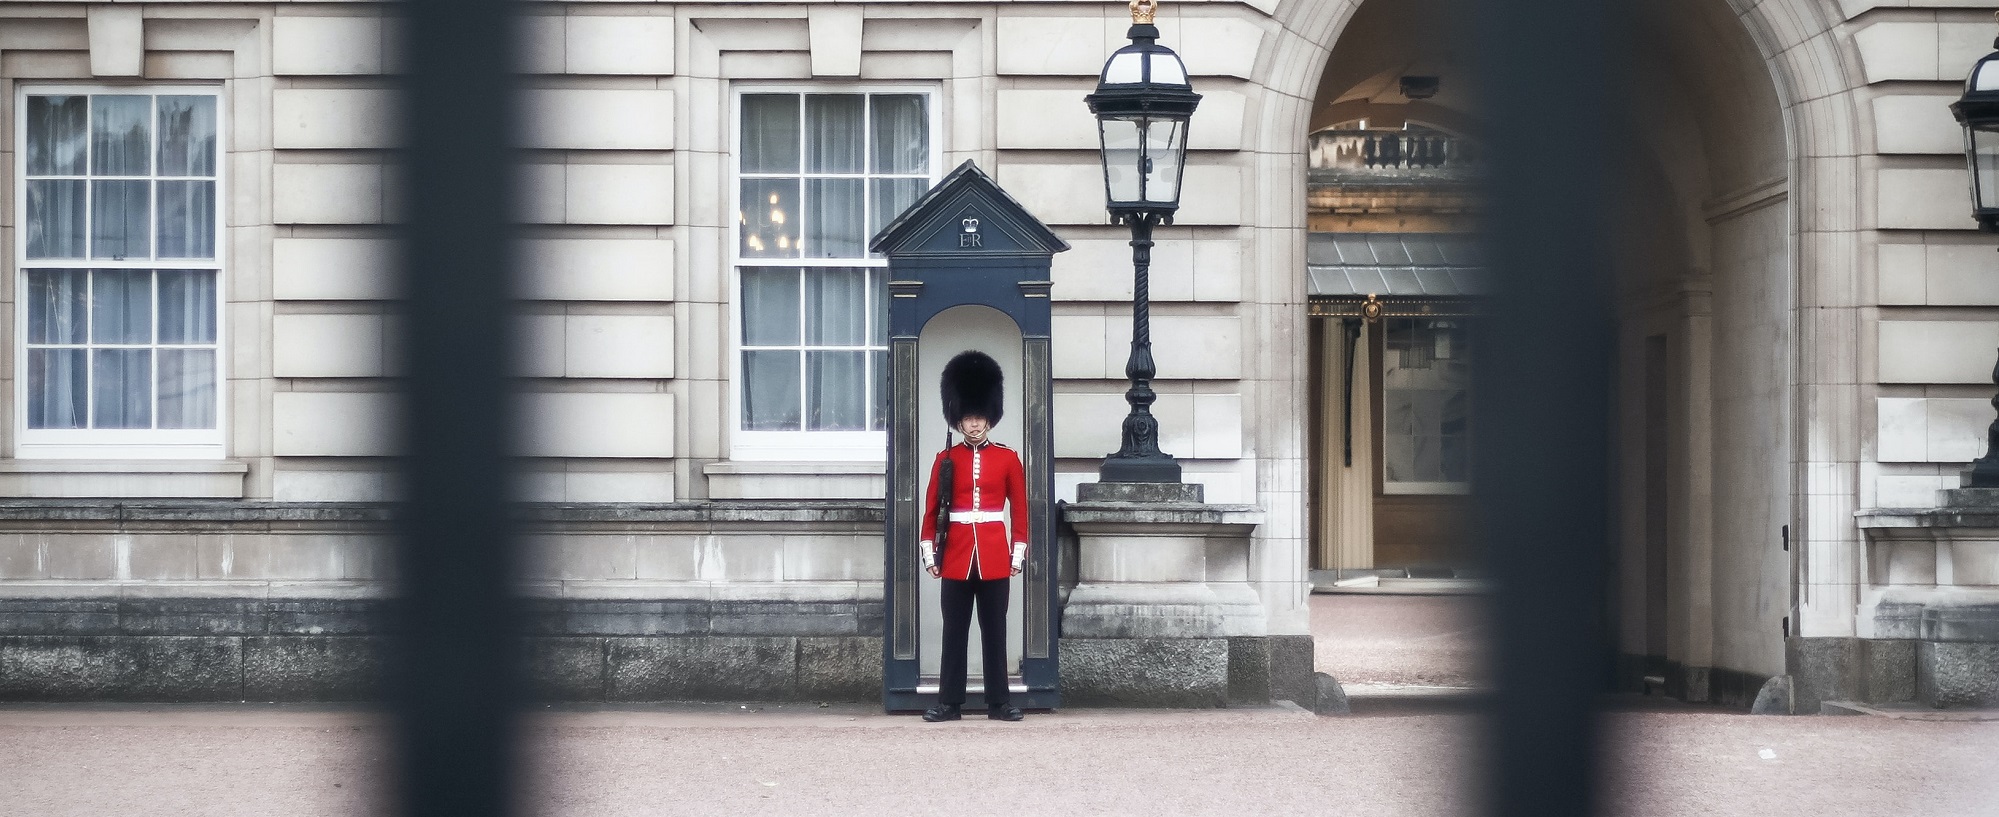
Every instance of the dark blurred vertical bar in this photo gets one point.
(455, 675)
(1542, 384)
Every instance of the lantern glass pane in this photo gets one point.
(1166, 146)
(1167, 70)
(1125, 67)
(1985, 76)
(1123, 159)
(1985, 167)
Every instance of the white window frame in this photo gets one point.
(107, 443)
(802, 446)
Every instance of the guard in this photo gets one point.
(972, 552)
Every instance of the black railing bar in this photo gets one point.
(1541, 457)
(455, 681)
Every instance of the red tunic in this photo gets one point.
(986, 481)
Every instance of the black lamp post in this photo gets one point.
(1978, 112)
(1142, 103)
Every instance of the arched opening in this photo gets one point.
(949, 332)
(1707, 297)
(1706, 301)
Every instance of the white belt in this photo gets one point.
(975, 517)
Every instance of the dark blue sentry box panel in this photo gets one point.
(967, 243)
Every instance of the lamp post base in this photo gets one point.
(1156, 468)
(1140, 492)
(1983, 473)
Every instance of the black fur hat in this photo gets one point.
(972, 384)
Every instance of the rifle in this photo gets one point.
(945, 476)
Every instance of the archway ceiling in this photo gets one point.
(1379, 97)
(1697, 53)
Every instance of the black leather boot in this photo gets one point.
(941, 712)
(1004, 713)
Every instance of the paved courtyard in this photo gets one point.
(1377, 639)
(1393, 757)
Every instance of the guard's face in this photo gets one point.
(974, 428)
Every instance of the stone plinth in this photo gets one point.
(1163, 613)
(1932, 579)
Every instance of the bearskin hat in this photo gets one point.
(972, 384)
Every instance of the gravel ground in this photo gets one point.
(1411, 756)
(1408, 760)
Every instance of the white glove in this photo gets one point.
(1019, 556)
(923, 551)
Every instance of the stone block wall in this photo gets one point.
(629, 320)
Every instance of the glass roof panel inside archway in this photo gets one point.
(1434, 265)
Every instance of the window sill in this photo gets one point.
(796, 480)
(178, 479)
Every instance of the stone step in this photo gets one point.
(1389, 585)
(1906, 711)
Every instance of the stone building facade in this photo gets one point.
(202, 336)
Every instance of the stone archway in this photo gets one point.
(1761, 126)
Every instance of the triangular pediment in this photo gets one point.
(967, 214)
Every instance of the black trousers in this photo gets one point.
(959, 597)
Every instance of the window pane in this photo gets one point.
(122, 391)
(187, 388)
(902, 134)
(55, 218)
(835, 218)
(56, 383)
(879, 292)
(769, 218)
(1425, 401)
(56, 127)
(770, 307)
(1398, 448)
(833, 132)
(120, 135)
(881, 390)
(770, 391)
(187, 219)
(891, 197)
(120, 219)
(836, 391)
(836, 302)
(187, 306)
(770, 133)
(187, 135)
(121, 306)
(1455, 445)
(56, 305)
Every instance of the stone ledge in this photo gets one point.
(189, 511)
(1083, 514)
(262, 512)
(90, 617)
(1953, 517)
(194, 479)
(755, 479)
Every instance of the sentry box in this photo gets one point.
(968, 269)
